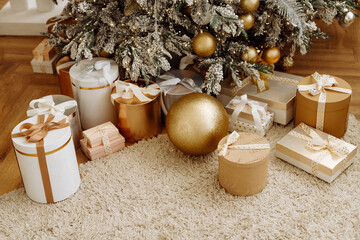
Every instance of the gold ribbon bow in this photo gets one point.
(234, 136)
(323, 82)
(316, 143)
(36, 133)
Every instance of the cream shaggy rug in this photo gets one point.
(152, 191)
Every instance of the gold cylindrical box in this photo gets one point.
(63, 66)
(336, 108)
(137, 120)
(244, 172)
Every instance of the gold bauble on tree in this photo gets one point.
(250, 55)
(249, 5)
(204, 44)
(196, 123)
(271, 55)
(248, 20)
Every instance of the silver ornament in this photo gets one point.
(347, 19)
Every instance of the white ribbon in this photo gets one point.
(256, 109)
(187, 60)
(171, 81)
(323, 83)
(103, 65)
(127, 90)
(316, 143)
(46, 105)
(234, 136)
(104, 138)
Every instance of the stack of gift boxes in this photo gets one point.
(111, 111)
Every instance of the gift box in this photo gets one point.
(44, 66)
(46, 158)
(137, 107)
(249, 116)
(280, 97)
(58, 104)
(63, 66)
(322, 101)
(316, 152)
(177, 83)
(60, 20)
(101, 141)
(44, 51)
(91, 84)
(243, 163)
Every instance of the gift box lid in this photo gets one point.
(334, 100)
(246, 158)
(44, 50)
(85, 72)
(64, 64)
(297, 148)
(52, 141)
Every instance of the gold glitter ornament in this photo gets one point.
(204, 44)
(249, 5)
(250, 55)
(196, 123)
(248, 20)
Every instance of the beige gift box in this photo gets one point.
(297, 148)
(280, 97)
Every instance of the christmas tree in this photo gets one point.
(241, 38)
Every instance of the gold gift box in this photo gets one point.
(294, 150)
(280, 97)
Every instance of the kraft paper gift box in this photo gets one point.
(322, 101)
(243, 163)
(138, 110)
(46, 158)
(316, 152)
(101, 141)
(44, 51)
(249, 116)
(59, 104)
(280, 97)
(63, 66)
(176, 83)
(91, 84)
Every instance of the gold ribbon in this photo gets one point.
(234, 136)
(40, 59)
(323, 83)
(36, 133)
(316, 143)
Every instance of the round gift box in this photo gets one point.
(61, 163)
(244, 172)
(177, 91)
(136, 120)
(94, 95)
(63, 66)
(73, 116)
(336, 108)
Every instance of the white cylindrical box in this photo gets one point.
(44, 5)
(19, 5)
(91, 83)
(60, 166)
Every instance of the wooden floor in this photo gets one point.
(339, 56)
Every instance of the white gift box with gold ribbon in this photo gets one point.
(316, 152)
(249, 116)
(91, 83)
(46, 157)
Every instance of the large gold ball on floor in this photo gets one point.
(271, 55)
(196, 123)
(250, 55)
(249, 5)
(204, 44)
(248, 20)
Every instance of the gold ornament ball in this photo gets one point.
(196, 123)
(204, 44)
(250, 55)
(104, 54)
(248, 20)
(271, 55)
(249, 5)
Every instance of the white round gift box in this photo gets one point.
(92, 92)
(61, 161)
